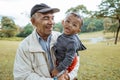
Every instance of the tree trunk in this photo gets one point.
(117, 33)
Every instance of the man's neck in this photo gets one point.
(44, 37)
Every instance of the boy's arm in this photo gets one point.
(73, 73)
(69, 56)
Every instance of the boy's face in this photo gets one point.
(71, 25)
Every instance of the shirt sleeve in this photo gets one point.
(74, 72)
(69, 56)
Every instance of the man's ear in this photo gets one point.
(33, 21)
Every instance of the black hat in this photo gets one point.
(42, 8)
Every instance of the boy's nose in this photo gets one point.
(70, 25)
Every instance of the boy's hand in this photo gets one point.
(54, 72)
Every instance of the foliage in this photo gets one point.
(110, 25)
(9, 28)
(114, 26)
(91, 27)
(92, 24)
(98, 24)
(58, 27)
(111, 9)
(80, 9)
(25, 31)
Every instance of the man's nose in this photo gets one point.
(51, 21)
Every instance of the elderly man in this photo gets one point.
(34, 58)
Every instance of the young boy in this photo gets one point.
(68, 44)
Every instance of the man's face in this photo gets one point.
(44, 23)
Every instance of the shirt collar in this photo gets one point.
(40, 38)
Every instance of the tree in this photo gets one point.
(91, 27)
(92, 24)
(98, 23)
(25, 31)
(9, 28)
(80, 9)
(111, 9)
(58, 27)
(114, 26)
(106, 24)
(110, 25)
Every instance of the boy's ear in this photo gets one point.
(62, 22)
(79, 30)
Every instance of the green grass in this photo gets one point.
(91, 34)
(7, 54)
(100, 61)
(96, 34)
(12, 39)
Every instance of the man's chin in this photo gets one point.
(48, 33)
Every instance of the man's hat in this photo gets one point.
(43, 8)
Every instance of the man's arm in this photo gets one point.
(23, 68)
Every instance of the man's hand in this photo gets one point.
(61, 77)
(64, 76)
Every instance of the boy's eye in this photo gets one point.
(67, 21)
(75, 25)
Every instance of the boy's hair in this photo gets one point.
(76, 15)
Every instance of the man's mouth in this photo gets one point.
(49, 27)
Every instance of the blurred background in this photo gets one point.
(100, 34)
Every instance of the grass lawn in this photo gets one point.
(101, 61)
(7, 54)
